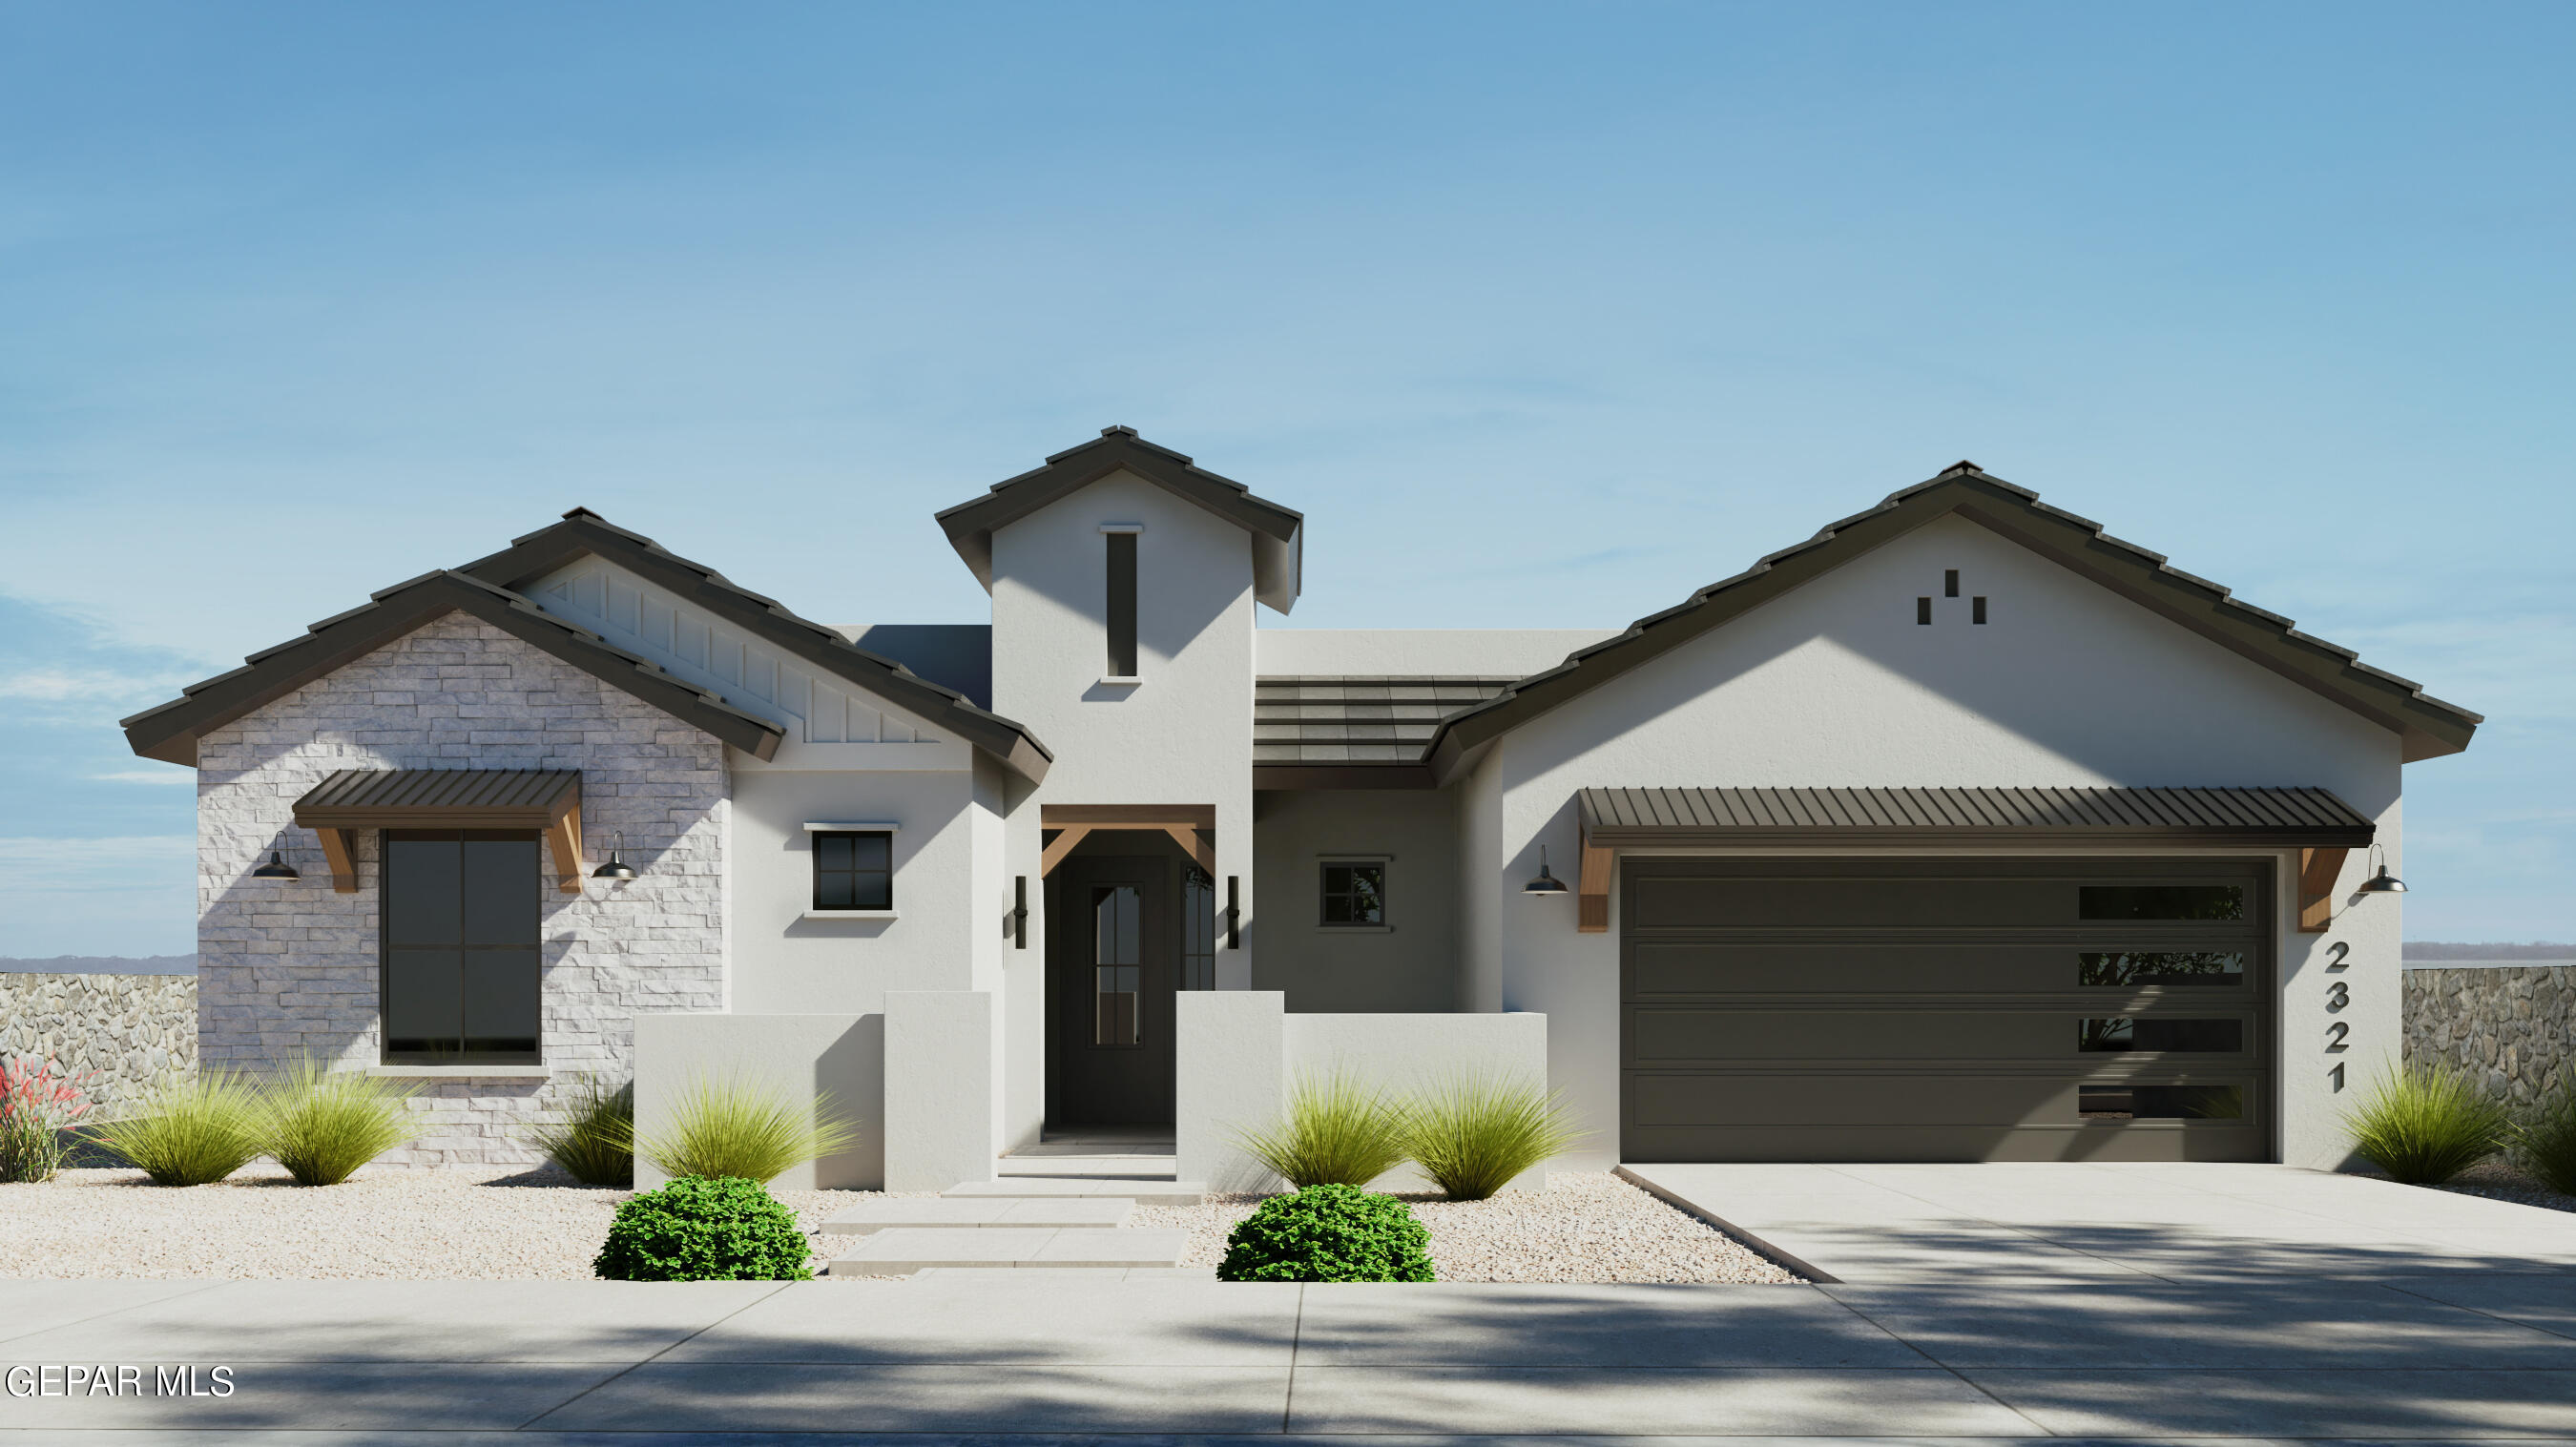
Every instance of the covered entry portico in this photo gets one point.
(1132, 921)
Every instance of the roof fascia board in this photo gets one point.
(2319, 837)
(170, 732)
(583, 534)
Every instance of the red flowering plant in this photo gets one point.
(39, 1102)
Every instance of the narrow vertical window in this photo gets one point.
(1198, 932)
(1117, 965)
(1977, 610)
(1922, 610)
(1950, 583)
(1122, 605)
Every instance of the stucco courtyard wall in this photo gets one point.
(289, 968)
(2510, 1029)
(135, 1031)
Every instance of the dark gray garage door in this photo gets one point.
(1895, 1010)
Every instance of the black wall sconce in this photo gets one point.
(1019, 916)
(616, 868)
(2382, 882)
(1234, 911)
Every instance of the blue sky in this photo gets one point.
(297, 302)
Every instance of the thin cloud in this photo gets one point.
(146, 776)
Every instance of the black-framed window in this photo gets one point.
(1117, 965)
(1198, 930)
(1354, 894)
(1122, 605)
(853, 870)
(462, 946)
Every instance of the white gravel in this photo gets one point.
(1585, 1226)
(2499, 1181)
(453, 1222)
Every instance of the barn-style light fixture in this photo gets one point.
(616, 867)
(275, 868)
(1546, 883)
(2382, 882)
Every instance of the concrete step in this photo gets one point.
(1087, 1212)
(904, 1250)
(1056, 1188)
(1094, 1167)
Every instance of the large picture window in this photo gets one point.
(461, 946)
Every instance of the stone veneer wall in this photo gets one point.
(289, 968)
(2510, 1027)
(135, 1031)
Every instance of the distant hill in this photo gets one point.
(2432, 952)
(102, 965)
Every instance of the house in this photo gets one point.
(1959, 831)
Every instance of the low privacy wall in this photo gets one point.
(1241, 1054)
(136, 1031)
(2509, 1027)
(799, 1056)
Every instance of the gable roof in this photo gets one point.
(1278, 533)
(2426, 726)
(583, 533)
(170, 731)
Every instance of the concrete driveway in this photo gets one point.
(2054, 1221)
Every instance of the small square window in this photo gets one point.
(1355, 895)
(853, 871)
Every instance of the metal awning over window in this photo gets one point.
(545, 800)
(2312, 820)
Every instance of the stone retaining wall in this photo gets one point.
(136, 1031)
(2510, 1028)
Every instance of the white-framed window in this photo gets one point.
(853, 869)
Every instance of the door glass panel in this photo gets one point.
(1117, 961)
(2222, 1037)
(2186, 968)
(2162, 901)
(1198, 932)
(2161, 1102)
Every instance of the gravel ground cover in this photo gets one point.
(1585, 1226)
(502, 1222)
(2499, 1181)
(512, 1223)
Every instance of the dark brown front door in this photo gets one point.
(1113, 955)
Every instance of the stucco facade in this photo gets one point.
(1940, 641)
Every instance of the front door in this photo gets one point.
(1112, 964)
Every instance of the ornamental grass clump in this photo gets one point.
(2424, 1124)
(2543, 1143)
(694, 1229)
(189, 1132)
(1328, 1233)
(322, 1124)
(743, 1128)
(39, 1104)
(1472, 1134)
(1336, 1132)
(595, 1140)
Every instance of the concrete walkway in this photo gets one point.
(2108, 1222)
(2454, 1356)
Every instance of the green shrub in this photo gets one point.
(738, 1127)
(1336, 1132)
(595, 1140)
(1472, 1134)
(2544, 1142)
(2425, 1124)
(189, 1132)
(1328, 1233)
(694, 1229)
(322, 1124)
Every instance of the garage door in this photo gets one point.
(1888, 1010)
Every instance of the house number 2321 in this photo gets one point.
(2338, 995)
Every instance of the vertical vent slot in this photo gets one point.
(1950, 583)
(1977, 610)
(1922, 610)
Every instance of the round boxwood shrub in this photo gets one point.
(1328, 1233)
(699, 1229)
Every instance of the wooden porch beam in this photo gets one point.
(1592, 888)
(341, 851)
(563, 837)
(1073, 834)
(1196, 845)
(2318, 871)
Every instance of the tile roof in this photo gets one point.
(1300, 719)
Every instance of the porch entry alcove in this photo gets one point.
(1132, 915)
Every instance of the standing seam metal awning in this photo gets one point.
(2277, 818)
(548, 800)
